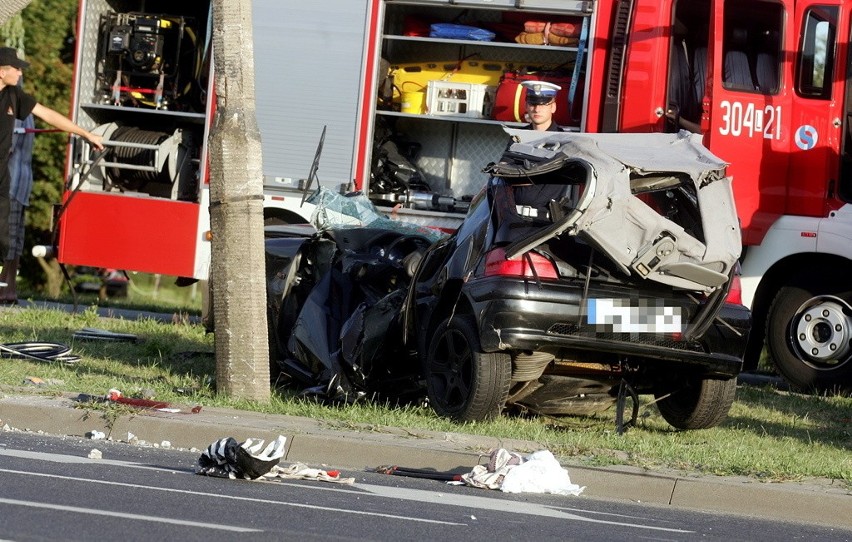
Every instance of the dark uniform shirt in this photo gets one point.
(535, 196)
(14, 104)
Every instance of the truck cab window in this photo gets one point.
(766, 65)
(752, 47)
(816, 57)
(736, 67)
(687, 65)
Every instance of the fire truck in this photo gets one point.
(408, 99)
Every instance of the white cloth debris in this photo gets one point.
(95, 454)
(300, 471)
(491, 476)
(540, 473)
(510, 472)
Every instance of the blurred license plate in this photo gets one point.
(633, 316)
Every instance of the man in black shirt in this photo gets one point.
(16, 104)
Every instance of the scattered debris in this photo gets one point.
(96, 435)
(95, 334)
(510, 472)
(300, 471)
(430, 474)
(225, 458)
(507, 471)
(41, 382)
(116, 396)
(250, 460)
(95, 454)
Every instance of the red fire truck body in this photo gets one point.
(412, 116)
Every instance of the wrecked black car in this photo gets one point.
(335, 296)
(589, 267)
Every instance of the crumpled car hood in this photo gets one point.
(609, 216)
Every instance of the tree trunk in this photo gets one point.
(52, 277)
(236, 211)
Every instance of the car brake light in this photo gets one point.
(735, 294)
(530, 265)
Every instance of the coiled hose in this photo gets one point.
(39, 351)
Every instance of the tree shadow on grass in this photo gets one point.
(807, 418)
(150, 358)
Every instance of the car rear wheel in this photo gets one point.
(464, 383)
(808, 333)
(700, 404)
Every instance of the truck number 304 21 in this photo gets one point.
(739, 119)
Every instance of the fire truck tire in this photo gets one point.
(701, 403)
(808, 334)
(462, 382)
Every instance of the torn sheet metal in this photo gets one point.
(336, 296)
(612, 216)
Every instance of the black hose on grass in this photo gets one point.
(39, 351)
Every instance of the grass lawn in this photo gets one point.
(770, 434)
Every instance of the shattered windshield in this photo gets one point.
(337, 211)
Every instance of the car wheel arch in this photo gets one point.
(451, 300)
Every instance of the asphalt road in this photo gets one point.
(51, 490)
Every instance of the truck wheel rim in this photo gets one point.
(821, 330)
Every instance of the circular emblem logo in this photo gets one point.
(806, 137)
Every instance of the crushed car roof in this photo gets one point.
(609, 215)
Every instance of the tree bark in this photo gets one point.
(52, 277)
(236, 211)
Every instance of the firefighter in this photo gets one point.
(16, 104)
(541, 105)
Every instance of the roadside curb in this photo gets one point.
(317, 442)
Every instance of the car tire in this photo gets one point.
(462, 382)
(700, 404)
(804, 320)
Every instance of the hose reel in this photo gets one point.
(153, 162)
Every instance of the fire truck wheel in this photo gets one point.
(808, 334)
(462, 382)
(699, 404)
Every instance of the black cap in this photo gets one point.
(9, 57)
